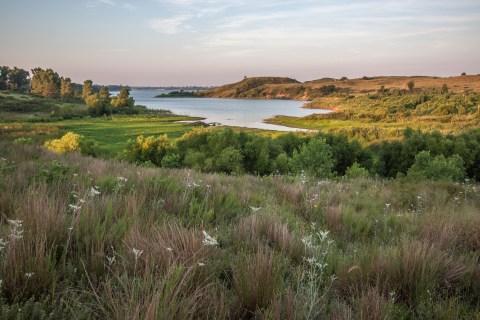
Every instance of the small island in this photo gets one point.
(178, 94)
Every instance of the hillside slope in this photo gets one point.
(286, 88)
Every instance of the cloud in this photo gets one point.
(95, 3)
(128, 6)
(170, 25)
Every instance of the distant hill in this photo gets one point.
(255, 87)
(287, 88)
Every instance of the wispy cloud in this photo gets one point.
(128, 6)
(95, 3)
(170, 25)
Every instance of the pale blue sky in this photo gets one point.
(212, 42)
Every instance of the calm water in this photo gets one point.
(230, 112)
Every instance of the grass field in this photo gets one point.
(111, 134)
(87, 238)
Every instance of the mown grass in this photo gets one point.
(90, 238)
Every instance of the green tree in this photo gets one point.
(66, 88)
(87, 89)
(437, 168)
(18, 79)
(45, 82)
(123, 99)
(4, 70)
(315, 158)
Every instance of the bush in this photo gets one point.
(68, 143)
(71, 142)
(356, 171)
(438, 168)
(147, 149)
(315, 158)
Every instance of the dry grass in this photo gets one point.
(256, 280)
(262, 229)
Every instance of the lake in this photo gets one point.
(248, 113)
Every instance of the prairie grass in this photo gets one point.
(90, 238)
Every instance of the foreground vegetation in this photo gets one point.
(90, 238)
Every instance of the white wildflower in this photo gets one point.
(3, 244)
(209, 241)
(94, 192)
(201, 264)
(122, 179)
(137, 253)
(255, 209)
(29, 274)
(169, 249)
(110, 260)
(74, 207)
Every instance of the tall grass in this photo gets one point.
(90, 238)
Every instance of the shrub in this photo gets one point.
(356, 171)
(68, 143)
(147, 149)
(438, 168)
(315, 158)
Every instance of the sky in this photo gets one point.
(213, 42)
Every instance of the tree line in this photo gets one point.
(48, 83)
(428, 155)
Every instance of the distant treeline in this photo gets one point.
(177, 94)
(48, 83)
(430, 155)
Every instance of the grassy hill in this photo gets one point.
(256, 87)
(286, 88)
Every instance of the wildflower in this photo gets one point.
(169, 249)
(82, 200)
(307, 241)
(209, 241)
(323, 234)
(110, 260)
(387, 205)
(29, 274)
(75, 174)
(16, 231)
(255, 209)
(137, 253)
(94, 192)
(201, 264)
(74, 207)
(122, 179)
(3, 244)
(15, 223)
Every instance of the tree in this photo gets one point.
(315, 158)
(4, 70)
(87, 89)
(410, 85)
(66, 88)
(437, 168)
(18, 79)
(123, 99)
(45, 82)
